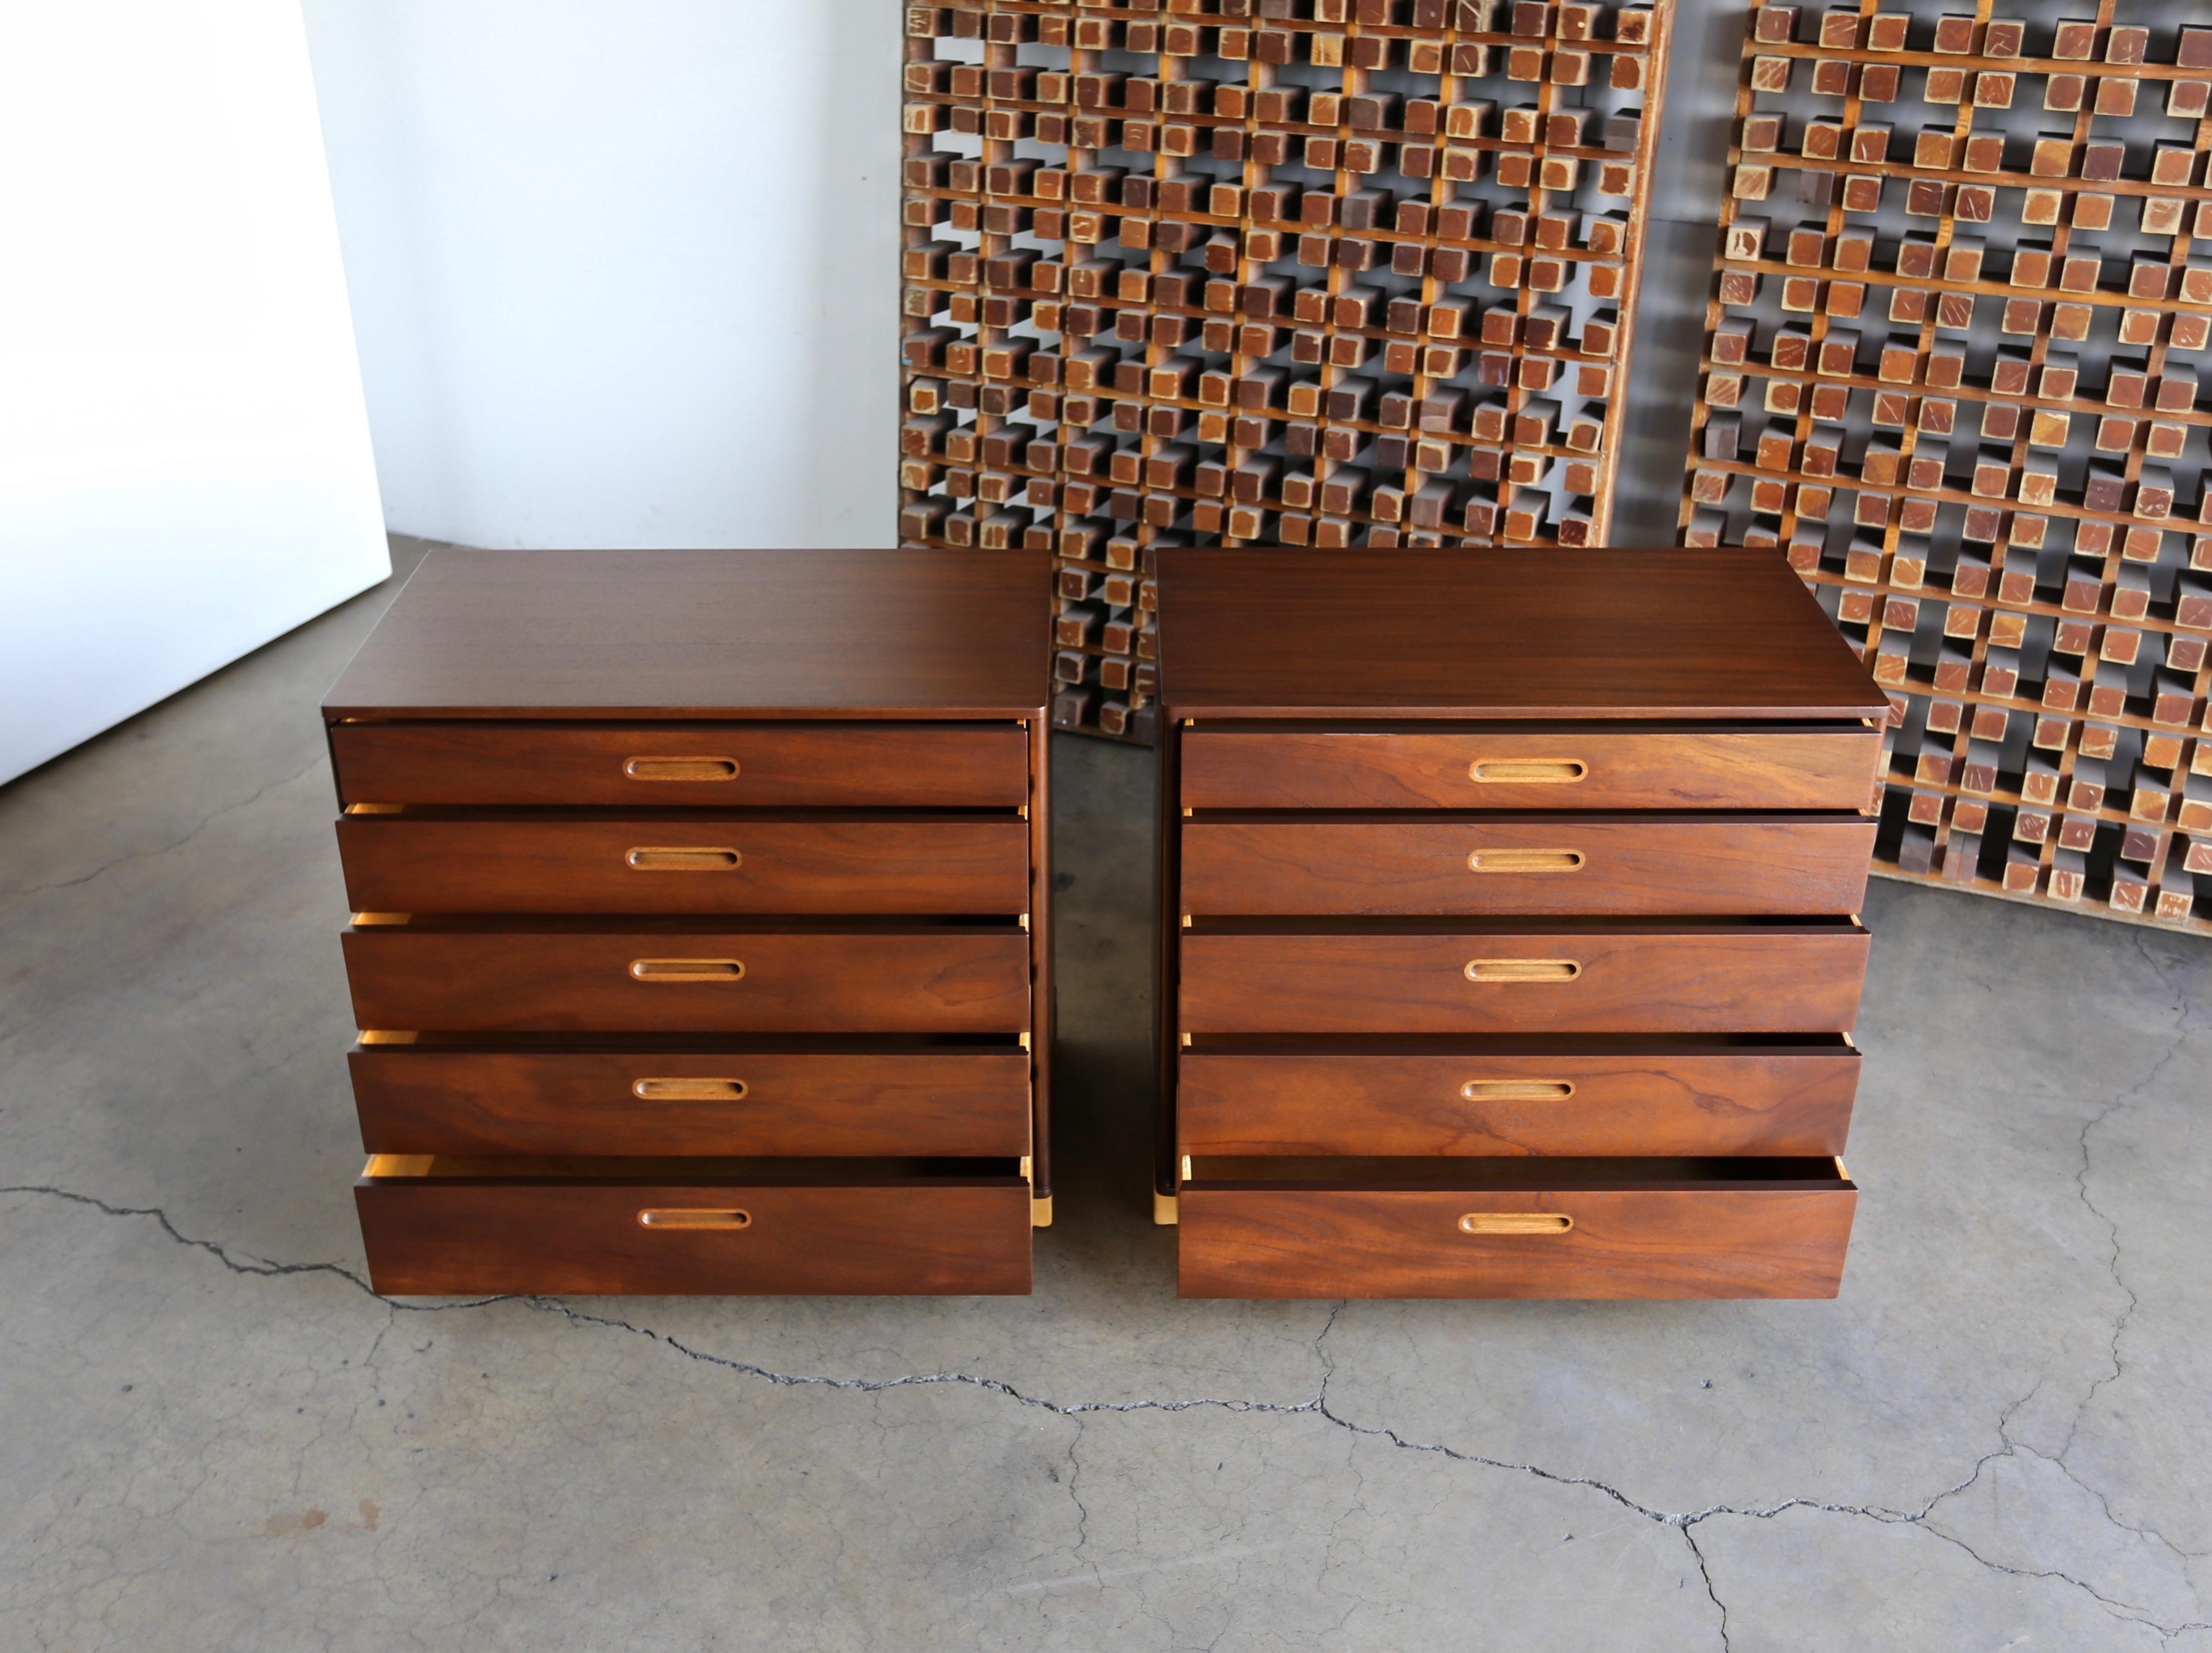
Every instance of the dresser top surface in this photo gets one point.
(899, 634)
(1474, 634)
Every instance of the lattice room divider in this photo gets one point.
(1363, 273)
(1951, 371)
(1311, 272)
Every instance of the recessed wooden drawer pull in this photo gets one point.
(683, 1217)
(680, 769)
(682, 860)
(688, 1090)
(1523, 970)
(1517, 860)
(687, 969)
(1515, 1222)
(1517, 1090)
(1529, 771)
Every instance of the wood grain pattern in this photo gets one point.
(833, 765)
(442, 1236)
(1711, 978)
(1610, 864)
(841, 634)
(1646, 634)
(404, 863)
(832, 1100)
(1696, 1240)
(703, 940)
(886, 979)
(1665, 1099)
(1508, 954)
(1227, 767)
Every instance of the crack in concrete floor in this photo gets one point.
(1317, 1407)
(2183, 1010)
(20, 891)
(1690, 1538)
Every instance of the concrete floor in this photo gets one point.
(215, 1438)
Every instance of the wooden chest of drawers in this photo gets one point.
(699, 937)
(1508, 934)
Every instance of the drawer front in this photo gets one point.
(924, 1104)
(1686, 981)
(1225, 768)
(435, 1236)
(1661, 1102)
(711, 764)
(1687, 1243)
(395, 864)
(923, 981)
(1553, 865)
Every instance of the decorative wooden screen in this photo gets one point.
(1313, 273)
(1951, 371)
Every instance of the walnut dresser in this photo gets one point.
(1509, 942)
(698, 941)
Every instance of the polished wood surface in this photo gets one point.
(442, 1236)
(1714, 767)
(702, 938)
(643, 1100)
(1523, 1096)
(1624, 865)
(1551, 633)
(634, 766)
(691, 863)
(1696, 1240)
(1249, 976)
(709, 633)
(883, 979)
(1507, 915)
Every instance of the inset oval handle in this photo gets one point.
(1528, 771)
(1517, 1090)
(1521, 860)
(1523, 970)
(680, 769)
(688, 1090)
(688, 969)
(1515, 1222)
(672, 859)
(684, 1216)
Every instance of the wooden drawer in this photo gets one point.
(890, 864)
(758, 1097)
(664, 765)
(1653, 1095)
(1567, 863)
(1726, 767)
(1255, 975)
(437, 1227)
(793, 977)
(1514, 1228)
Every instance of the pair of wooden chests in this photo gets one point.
(1508, 938)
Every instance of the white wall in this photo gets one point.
(625, 271)
(185, 468)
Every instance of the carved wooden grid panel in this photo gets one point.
(1951, 371)
(1314, 272)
